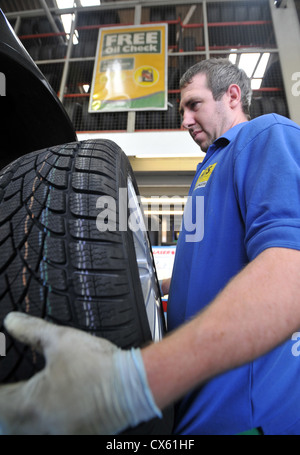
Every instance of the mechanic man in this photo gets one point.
(234, 296)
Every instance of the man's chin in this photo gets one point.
(203, 146)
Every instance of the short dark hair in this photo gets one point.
(220, 74)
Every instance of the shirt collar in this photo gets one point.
(224, 140)
(232, 132)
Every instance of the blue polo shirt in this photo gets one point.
(245, 197)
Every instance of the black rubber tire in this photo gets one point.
(268, 105)
(256, 107)
(56, 264)
(280, 106)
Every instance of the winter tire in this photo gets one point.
(268, 105)
(67, 256)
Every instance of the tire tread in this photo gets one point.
(54, 262)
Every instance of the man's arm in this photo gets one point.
(256, 311)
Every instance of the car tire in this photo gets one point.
(65, 258)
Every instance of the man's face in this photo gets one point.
(204, 118)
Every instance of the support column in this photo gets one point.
(132, 114)
(287, 32)
(67, 61)
(51, 20)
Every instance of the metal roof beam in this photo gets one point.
(109, 6)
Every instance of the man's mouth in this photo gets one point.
(195, 133)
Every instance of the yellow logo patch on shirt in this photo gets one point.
(204, 176)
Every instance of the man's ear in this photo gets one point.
(234, 95)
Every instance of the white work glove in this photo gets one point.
(88, 386)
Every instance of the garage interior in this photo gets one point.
(261, 36)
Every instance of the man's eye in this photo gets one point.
(194, 105)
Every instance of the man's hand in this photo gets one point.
(88, 386)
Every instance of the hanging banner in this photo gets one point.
(130, 71)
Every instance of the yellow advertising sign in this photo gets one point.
(130, 71)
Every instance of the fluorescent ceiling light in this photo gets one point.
(171, 155)
(261, 67)
(256, 84)
(164, 200)
(90, 2)
(67, 20)
(233, 57)
(163, 212)
(248, 62)
(62, 4)
(254, 65)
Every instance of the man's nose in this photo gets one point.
(187, 120)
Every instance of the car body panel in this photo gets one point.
(32, 117)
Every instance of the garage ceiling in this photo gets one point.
(11, 6)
